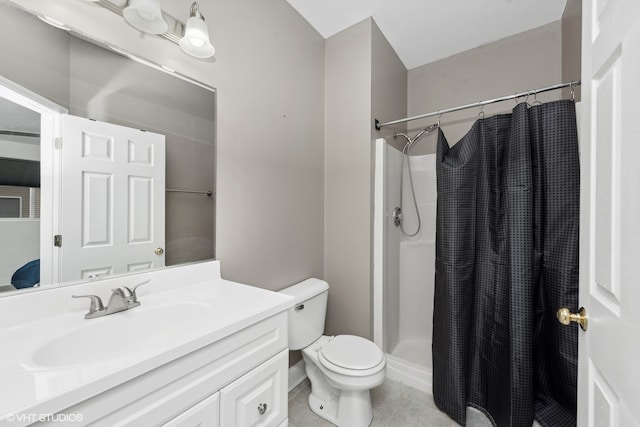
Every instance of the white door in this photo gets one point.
(609, 351)
(113, 199)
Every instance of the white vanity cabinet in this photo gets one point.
(240, 380)
(258, 398)
(203, 414)
(255, 399)
(208, 352)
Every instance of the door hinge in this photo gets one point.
(57, 240)
(58, 143)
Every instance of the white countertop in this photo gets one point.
(211, 308)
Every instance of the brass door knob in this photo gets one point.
(566, 317)
(158, 251)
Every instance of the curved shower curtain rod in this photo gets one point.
(534, 92)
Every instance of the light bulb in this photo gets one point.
(197, 42)
(145, 16)
(196, 36)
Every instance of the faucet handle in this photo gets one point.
(123, 292)
(133, 291)
(96, 302)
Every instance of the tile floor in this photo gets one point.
(394, 404)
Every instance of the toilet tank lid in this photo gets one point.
(306, 289)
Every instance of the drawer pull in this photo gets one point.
(299, 307)
(262, 408)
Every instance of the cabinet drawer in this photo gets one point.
(204, 414)
(258, 398)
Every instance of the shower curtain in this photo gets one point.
(506, 259)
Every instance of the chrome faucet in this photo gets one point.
(121, 299)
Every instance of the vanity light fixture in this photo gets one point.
(146, 16)
(195, 41)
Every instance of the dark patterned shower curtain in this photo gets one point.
(506, 260)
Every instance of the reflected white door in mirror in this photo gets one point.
(101, 200)
(113, 199)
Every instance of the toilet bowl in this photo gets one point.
(342, 369)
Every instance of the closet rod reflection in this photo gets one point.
(209, 193)
(571, 85)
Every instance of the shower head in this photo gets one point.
(425, 131)
(411, 141)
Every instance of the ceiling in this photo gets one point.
(423, 31)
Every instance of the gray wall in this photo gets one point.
(364, 79)
(270, 87)
(572, 44)
(518, 63)
(270, 142)
(41, 67)
(347, 179)
(388, 87)
(388, 102)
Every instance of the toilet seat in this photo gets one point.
(351, 355)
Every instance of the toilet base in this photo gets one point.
(348, 409)
(344, 401)
(327, 409)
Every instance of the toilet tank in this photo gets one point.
(306, 317)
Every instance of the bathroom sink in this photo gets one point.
(123, 334)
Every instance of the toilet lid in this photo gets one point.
(352, 352)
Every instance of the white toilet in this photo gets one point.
(342, 369)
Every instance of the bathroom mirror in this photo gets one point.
(107, 85)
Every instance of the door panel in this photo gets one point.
(113, 199)
(140, 209)
(609, 366)
(97, 189)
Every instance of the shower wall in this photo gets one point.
(417, 263)
(409, 261)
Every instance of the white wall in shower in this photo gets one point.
(416, 257)
(404, 281)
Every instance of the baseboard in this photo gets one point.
(297, 374)
(409, 373)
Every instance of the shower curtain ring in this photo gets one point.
(481, 113)
(573, 92)
(439, 117)
(535, 98)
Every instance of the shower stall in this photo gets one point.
(404, 265)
